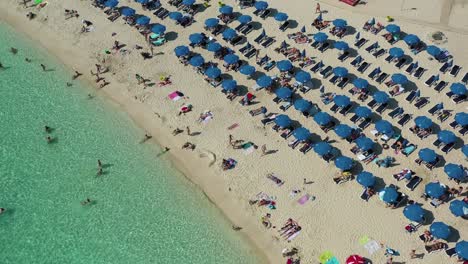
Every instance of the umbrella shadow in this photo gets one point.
(454, 235)
(242, 90)
(293, 24)
(256, 25)
(350, 30)
(171, 35)
(200, 8)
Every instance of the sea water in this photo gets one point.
(143, 211)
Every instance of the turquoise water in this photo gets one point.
(143, 211)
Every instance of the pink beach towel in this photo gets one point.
(174, 96)
(303, 199)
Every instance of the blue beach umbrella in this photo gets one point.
(383, 126)
(411, 39)
(462, 118)
(261, 5)
(440, 230)
(392, 28)
(462, 249)
(458, 88)
(454, 171)
(344, 163)
(341, 45)
(211, 22)
(427, 155)
(231, 58)
(283, 121)
(362, 111)
(459, 208)
(175, 15)
(229, 85)
(389, 195)
(264, 81)
(360, 83)
(247, 69)
(283, 92)
(434, 190)
(446, 136)
(322, 118)
(181, 51)
(226, 10)
(142, 1)
(302, 76)
(343, 130)
(284, 65)
(303, 29)
(340, 71)
(188, 2)
(197, 61)
(381, 97)
(301, 133)
(366, 179)
(244, 19)
(423, 122)
(433, 50)
(158, 29)
(396, 52)
(196, 38)
(342, 100)
(281, 17)
(465, 150)
(340, 23)
(229, 33)
(322, 148)
(143, 20)
(111, 3)
(399, 78)
(214, 47)
(127, 11)
(364, 143)
(213, 72)
(414, 212)
(302, 105)
(320, 37)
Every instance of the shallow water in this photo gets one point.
(143, 211)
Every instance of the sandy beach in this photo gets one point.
(337, 219)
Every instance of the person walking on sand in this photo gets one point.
(317, 8)
(189, 133)
(104, 84)
(264, 150)
(77, 74)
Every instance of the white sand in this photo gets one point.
(338, 217)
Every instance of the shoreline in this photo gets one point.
(183, 163)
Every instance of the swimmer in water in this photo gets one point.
(2, 210)
(13, 50)
(49, 139)
(27, 59)
(147, 137)
(47, 129)
(86, 202)
(43, 67)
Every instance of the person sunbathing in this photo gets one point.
(435, 247)
(426, 236)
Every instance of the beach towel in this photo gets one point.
(304, 199)
(248, 148)
(231, 127)
(372, 246)
(175, 96)
(275, 179)
(293, 236)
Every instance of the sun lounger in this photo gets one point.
(463, 131)
(249, 54)
(401, 62)
(304, 89)
(419, 72)
(411, 68)
(421, 102)
(396, 112)
(345, 110)
(435, 109)
(381, 108)
(270, 65)
(355, 118)
(317, 66)
(324, 47)
(240, 27)
(285, 105)
(306, 147)
(451, 252)
(372, 47)
(430, 81)
(465, 79)
(365, 123)
(379, 53)
(293, 144)
(381, 78)
(459, 99)
(363, 67)
(236, 40)
(287, 133)
(284, 26)
(343, 56)
(360, 43)
(357, 61)
(265, 14)
(245, 48)
(334, 108)
(440, 86)
(389, 58)
(344, 81)
(448, 147)
(374, 73)
(260, 38)
(268, 42)
(445, 67)
(455, 70)
(443, 115)
(404, 119)
(246, 30)
(365, 195)
(372, 103)
(334, 79)
(413, 183)
(411, 96)
(315, 44)
(326, 72)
